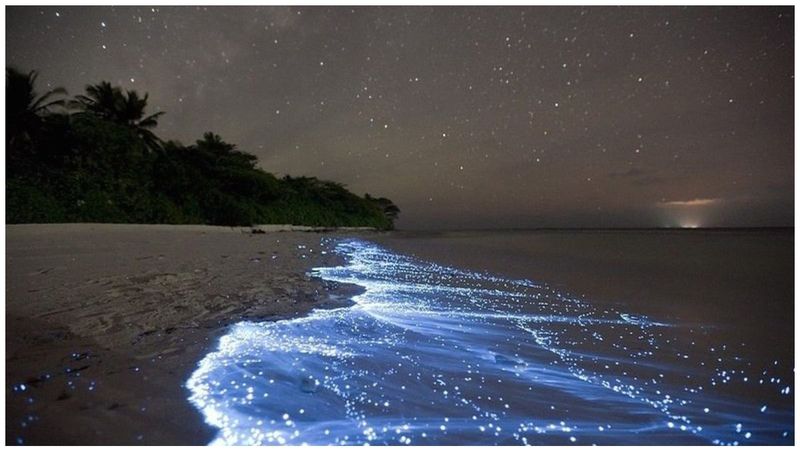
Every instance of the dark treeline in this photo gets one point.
(96, 158)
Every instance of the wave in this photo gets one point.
(430, 354)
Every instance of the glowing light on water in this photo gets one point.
(436, 355)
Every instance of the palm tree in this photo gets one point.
(125, 108)
(225, 154)
(389, 209)
(133, 111)
(101, 100)
(132, 114)
(214, 143)
(24, 108)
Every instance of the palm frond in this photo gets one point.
(40, 105)
(150, 121)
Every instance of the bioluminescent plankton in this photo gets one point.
(436, 355)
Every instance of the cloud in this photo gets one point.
(693, 202)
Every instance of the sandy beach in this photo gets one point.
(480, 225)
(114, 335)
(104, 323)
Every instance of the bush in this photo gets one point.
(103, 164)
(27, 203)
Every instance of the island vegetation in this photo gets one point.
(96, 158)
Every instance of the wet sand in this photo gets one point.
(104, 323)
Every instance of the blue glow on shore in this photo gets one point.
(436, 355)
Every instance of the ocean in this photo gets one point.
(522, 337)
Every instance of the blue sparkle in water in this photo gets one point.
(435, 355)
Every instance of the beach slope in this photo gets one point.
(104, 322)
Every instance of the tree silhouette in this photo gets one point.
(213, 142)
(224, 153)
(389, 209)
(24, 108)
(126, 108)
(101, 100)
(98, 163)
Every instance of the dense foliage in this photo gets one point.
(95, 158)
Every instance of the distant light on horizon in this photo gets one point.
(692, 213)
(693, 202)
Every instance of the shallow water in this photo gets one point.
(436, 355)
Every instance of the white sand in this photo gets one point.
(144, 303)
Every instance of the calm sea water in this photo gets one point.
(431, 354)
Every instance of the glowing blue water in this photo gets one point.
(435, 355)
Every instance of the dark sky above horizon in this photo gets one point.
(466, 117)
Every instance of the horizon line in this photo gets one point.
(675, 228)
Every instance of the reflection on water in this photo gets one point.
(436, 355)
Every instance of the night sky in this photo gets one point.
(466, 117)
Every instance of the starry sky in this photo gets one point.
(466, 117)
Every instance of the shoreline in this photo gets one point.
(255, 229)
(422, 326)
(106, 322)
(100, 373)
